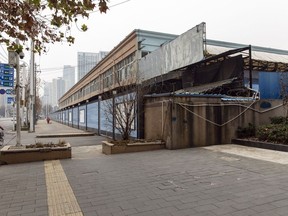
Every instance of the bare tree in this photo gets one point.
(38, 105)
(121, 109)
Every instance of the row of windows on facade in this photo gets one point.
(122, 71)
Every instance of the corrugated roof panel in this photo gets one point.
(256, 55)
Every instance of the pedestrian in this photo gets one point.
(48, 120)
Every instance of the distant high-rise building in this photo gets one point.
(53, 96)
(87, 60)
(68, 77)
(60, 88)
(47, 93)
(53, 91)
(47, 96)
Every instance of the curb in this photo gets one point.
(64, 135)
(263, 145)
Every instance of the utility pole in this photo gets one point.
(18, 119)
(32, 99)
(14, 60)
(250, 67)
(34, 93)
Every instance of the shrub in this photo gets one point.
(245, 132)
(38, 144)
(273, 133)
(279, 120)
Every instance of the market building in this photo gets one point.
(191, 91)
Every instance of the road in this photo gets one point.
(6, 123)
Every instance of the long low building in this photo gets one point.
(117, 66)
(149, 62)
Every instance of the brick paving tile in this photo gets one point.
(197, 181)
(194, 180)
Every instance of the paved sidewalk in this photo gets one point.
(209, 181)
(52, 133)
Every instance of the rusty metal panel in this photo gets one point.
(182, 51)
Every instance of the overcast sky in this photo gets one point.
(256, 22)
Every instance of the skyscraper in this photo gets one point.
(87, 60)
(60, 88)
(54, 90)
(68, 77)
(47, 97)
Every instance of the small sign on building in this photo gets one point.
(10, 100)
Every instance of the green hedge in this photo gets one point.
(279, 120)
(273, 133)
(245, 132)
(276, 132)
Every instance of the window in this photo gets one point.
(70, 116)
(97, 83)
(124, 68)
(107, 79)
(82, 116)
(86, 90)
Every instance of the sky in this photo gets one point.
(255, 22)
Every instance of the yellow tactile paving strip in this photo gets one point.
(61, 199)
